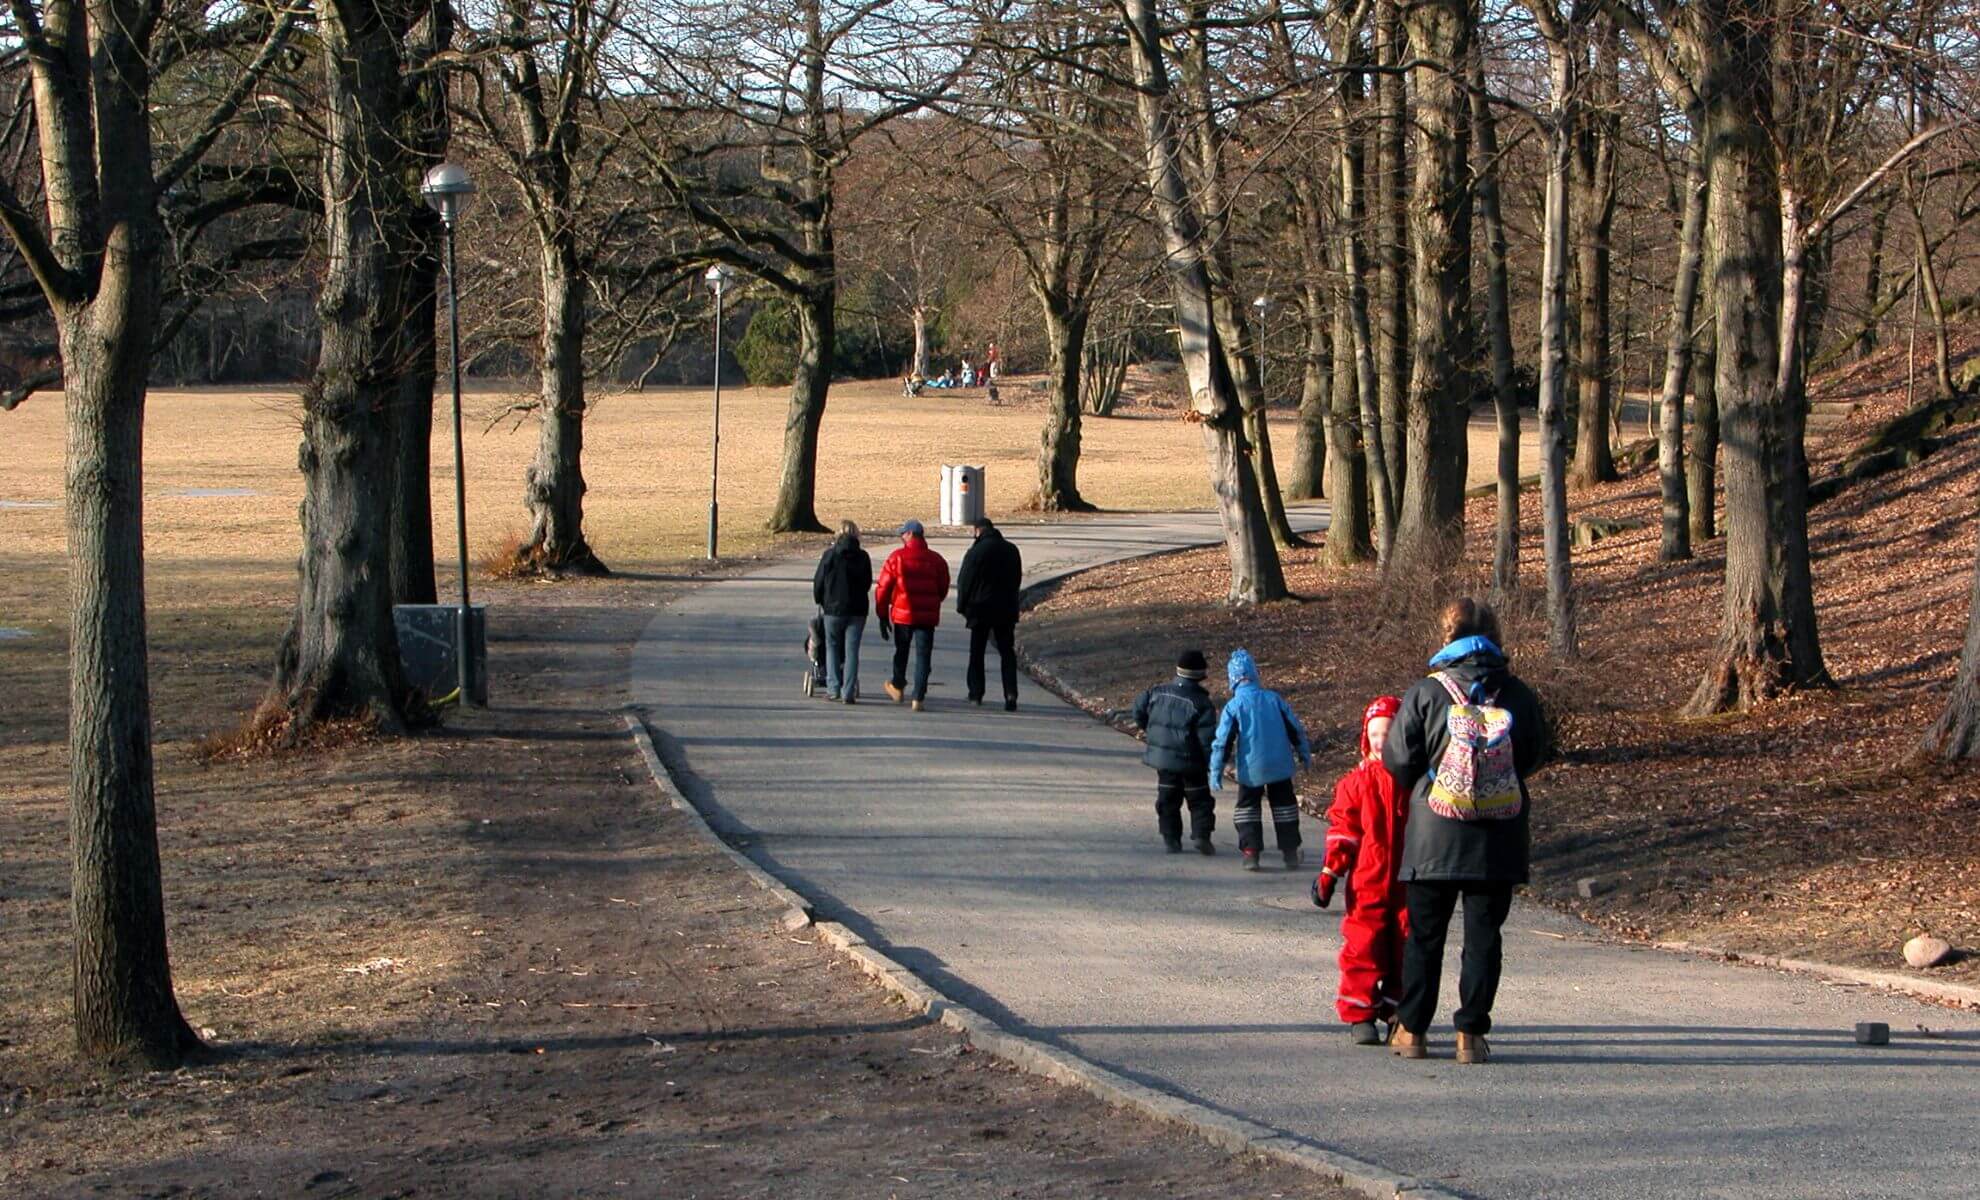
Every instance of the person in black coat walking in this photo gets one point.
(839, 587)
(1180, 720)
(1467, 836)
(987, 597)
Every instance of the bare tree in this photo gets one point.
(1597, 125)
(1388, 199)
(96, 255)
(1498, 325)
(1256, 574)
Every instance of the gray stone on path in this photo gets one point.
(1012, 859)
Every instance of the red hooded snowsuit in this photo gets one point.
(1364, 843)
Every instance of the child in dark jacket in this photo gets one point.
(1364, 845)
(1180, 720)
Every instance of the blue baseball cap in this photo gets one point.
(912, 526)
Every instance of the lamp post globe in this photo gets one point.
(447, 189)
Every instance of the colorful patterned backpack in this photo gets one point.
(1476, 781)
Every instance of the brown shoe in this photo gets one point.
(894, 692)
(916, 706)
(1472, 1048)
(1405, 1044)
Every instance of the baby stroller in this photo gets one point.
(814, 649)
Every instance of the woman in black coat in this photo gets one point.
(1454, 850)
(839, 587)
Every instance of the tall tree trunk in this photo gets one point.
(1316, 387)
(125, 1010)
(1594, 211)
(1753, 658)
(1389, 204)
(341, 655)
(1928, 282)
(1956, 734)
(1873, 278)
(1794, 580)
(1498, 323)
(411, 549)
(1430, 527)
(795, 511)
(1350, 539)
(1563, 638)
(920, 317)
(553, 486)
(1702, 464)
(1256, 574)
(1676, 540)
(1058, 445)
(1374, 446)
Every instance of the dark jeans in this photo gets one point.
(842, 637)
(979, 639)
(1430, 907)
(1285, 815)
(922, 640)
(1172, 788)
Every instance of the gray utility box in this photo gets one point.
(962, 495)
(426, 648)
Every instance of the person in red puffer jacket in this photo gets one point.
(913, 583)
(1364, 846)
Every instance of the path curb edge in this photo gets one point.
(1957, 994)
(1233, 1134)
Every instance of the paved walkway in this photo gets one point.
(1012, 858)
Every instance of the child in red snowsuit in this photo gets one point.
(1364, 842)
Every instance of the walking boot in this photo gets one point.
(1174, 844)
(1472, 1049)
(918, 706)
(1204, 847)
(1251, 860)
(1010, 704)
(1291, 855)
(894, 691)
(1364, 1033)
(1408, 1045)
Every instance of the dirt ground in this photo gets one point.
(1794, 831)
(486, 962)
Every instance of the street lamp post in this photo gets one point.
(447, 189)
(1262, 306)
(718, 277)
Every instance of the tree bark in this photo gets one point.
(1675, 544)
(1430, 527)
(1873, 279)
(1787, 493)
(1563, 639)
(1058, 444)
(1702, 464)
(1956, 734)
(1256, 574)
(553, 486)
(1316, 384)
(1374, 446)
(1928, 283)
(1389, 204)
(411, 549)
(1753, 659)
(920, 317)
(795, 511)
(1594, 212)
(341, 655)
(1498, 322)
(1350, 539)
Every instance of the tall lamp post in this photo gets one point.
(447, 189)
(1262, 306)
(718, 277)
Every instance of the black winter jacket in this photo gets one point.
(1181, 722)
(843, 579)
(1440, 848)
(992, 576)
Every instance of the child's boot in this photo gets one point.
(1174, 844)
(1364, 1033)
(1471, 1049)
(1291, 855)
(1251, 860)
(1408, 1045)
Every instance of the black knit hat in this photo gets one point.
(1191, 665)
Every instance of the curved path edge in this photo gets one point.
(1035, 1057)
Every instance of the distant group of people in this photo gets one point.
(965, 374)
(1434, 816)
(908, 597)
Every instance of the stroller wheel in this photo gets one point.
(810, 685)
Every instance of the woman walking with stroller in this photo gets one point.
(839, 587)
(1462, 746)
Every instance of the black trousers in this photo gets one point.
(1285, 816)
(979, 639)
(1430, 907)
(1172, 789)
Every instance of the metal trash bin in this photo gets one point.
(426, 648)
(962, 495)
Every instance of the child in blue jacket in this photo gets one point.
(1259, 735)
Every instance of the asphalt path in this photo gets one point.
(1012, 859)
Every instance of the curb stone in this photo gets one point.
(1958, 995)
(1232, 1134)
